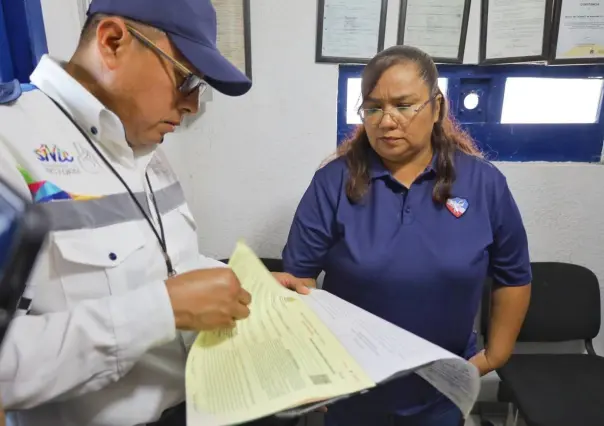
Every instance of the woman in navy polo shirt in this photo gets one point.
(407, 223)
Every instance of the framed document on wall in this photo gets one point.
(578, 32)
(83, 9)
(234, 32)
(350, 31)
(515, 31)
(438, 27)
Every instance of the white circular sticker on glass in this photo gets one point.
(471, 101)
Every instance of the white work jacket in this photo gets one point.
(98, 346)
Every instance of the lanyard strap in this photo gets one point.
(161, 239)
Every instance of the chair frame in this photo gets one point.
(513, 412)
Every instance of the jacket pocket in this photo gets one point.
(95, 263)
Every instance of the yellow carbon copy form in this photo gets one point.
(282, 356)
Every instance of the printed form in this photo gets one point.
(306, 351)
(280, 357)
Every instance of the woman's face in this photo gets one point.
(398, 116)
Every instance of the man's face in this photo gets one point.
(142, 85)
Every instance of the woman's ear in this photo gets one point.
(437, 106)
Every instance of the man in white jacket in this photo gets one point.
(104, 341)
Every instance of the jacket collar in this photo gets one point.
(100, 124)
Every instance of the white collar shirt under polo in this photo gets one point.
(99, 347)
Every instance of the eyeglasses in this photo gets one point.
(401, 114)
(191, 81)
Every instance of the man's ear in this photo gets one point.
(112, 40)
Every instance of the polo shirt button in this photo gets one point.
(112, 256)
(408, 210)
(94, 130)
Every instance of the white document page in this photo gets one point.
(384, 350)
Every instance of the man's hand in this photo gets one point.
(299, 285)
(207, 299)
(482, 362)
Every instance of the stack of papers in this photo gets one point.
(299, 352)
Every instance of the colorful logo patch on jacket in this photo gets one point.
(53, 154)
(43, 191)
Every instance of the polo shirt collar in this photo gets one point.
(99, 123)
(377, 169)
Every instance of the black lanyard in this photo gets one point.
(161, 239)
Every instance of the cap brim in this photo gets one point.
(217, 70)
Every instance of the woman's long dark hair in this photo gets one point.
(447, 136)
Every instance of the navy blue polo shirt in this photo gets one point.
(399, 255)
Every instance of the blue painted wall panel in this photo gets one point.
(506, 142)
(22, 38)
(6, 63)
(37, 31)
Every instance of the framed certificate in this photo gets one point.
(515, 31)
(438, 27)
(350, 31)
(234, 32)
(83, 9)
(578, 32)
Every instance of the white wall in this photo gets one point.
(245, 162)
(259, 152)
(62, 21)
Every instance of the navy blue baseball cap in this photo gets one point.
(191, 26)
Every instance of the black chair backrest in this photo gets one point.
(565, 304)
(273, 265)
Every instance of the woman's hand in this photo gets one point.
(299, 285)
(484, 363)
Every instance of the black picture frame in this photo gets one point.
(400, 38)
(247, 36)
(545, 50)
(245, 33)
(320, 58)
(554, 43)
